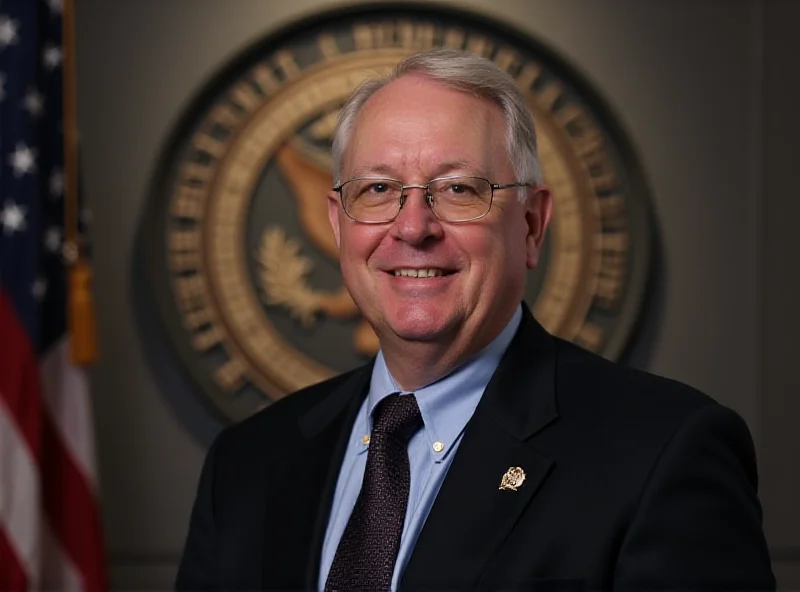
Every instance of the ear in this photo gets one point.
(538, 210)
(334, 209)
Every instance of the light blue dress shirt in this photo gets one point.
(446, 407)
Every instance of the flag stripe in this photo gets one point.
(66, 396)
(69, 505)
(32, 448)
(19, 376)
(58, 571)
(20, 423)
(19, 498)
(12, 576)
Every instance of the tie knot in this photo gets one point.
(397, 415)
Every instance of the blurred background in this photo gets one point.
(705, 91)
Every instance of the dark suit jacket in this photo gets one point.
(633, 483)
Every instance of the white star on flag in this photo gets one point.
(57, 183)
(51, 57)
(52, 239)
(33, 103)
(23, 160)
(39, 288)
(12, 217)
(8, 31)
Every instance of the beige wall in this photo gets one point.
(701, 88)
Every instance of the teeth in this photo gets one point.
(423, 273)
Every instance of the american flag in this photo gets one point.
(50, 533)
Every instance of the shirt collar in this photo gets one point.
(447, 404)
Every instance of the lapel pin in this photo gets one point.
(513, 479)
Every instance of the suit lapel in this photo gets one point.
(519, 402)
(301, 488)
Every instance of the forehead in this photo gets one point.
(416, 121)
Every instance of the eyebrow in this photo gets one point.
(380, 169)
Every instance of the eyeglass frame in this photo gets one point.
(428, 196)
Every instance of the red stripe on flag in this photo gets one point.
(20, 393)
(70, 506)
(12, 576)
(69, 503)
(19, 376)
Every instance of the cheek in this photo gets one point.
(482, 250)
(358, 244)
(485, 246)
(351, 266)
(499, 255)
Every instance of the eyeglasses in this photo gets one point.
(372, 200)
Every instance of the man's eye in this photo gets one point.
(460, 189)
(378, 188)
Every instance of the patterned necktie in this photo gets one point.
(368, 548)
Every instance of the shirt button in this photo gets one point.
(438, 446)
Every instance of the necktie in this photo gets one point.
(368, 548)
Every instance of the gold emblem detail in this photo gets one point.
(365, 440)
(513, 479)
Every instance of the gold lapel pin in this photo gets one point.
(513, 479)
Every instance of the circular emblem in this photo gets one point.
(240, 258)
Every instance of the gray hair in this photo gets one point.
(467, 73)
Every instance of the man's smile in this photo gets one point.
(420, 273)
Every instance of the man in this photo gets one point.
(476, 451)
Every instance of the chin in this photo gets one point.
(424, 327)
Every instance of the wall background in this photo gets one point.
(707, 92)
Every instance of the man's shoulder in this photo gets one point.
(279, 422)
(630, 415)
(613, 389)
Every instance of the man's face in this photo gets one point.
(415, 130)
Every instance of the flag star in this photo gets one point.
(12, 217)
(33, 103)
(55, 6)
(8, 31)
(57, 184)
(23, 160)
(52, 239)
(51, 56)
(39, 288)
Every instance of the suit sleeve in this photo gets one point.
(197, 567)
(698, 523)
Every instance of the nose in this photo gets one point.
(416, 222)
